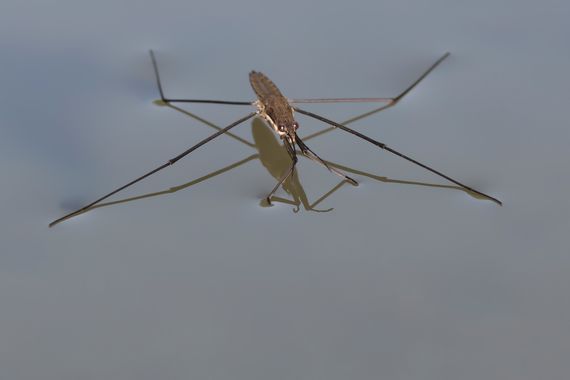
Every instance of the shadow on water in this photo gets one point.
(276, 161)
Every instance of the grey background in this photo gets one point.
(399, 281)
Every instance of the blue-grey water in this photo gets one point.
(402, 279)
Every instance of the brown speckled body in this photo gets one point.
(272, 105)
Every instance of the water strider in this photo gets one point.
(278, 112)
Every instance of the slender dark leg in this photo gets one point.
(417, 81)
(313, 156)
(167, 100)
(385, 147)
(293, 155)
(342, 100)
(390, 101)
(170, 162)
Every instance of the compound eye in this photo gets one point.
(281, 128)
(295, 125)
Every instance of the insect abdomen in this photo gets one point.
(264, 88)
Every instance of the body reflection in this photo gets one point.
(275, 159)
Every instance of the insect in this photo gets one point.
(279, 113)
